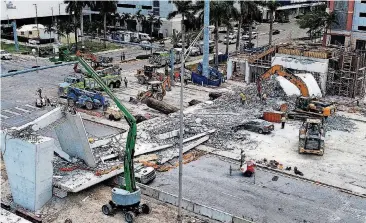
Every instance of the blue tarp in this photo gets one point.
(200, 79)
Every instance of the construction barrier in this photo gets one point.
(191, 206)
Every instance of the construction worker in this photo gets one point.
(124, 56)
(243, 98)
(126, 82)
(283, 121)
(264, 98)
(121, 56)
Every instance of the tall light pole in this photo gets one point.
(182, 71)
(37, 19)
(52, 14)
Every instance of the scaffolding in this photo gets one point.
(347, 75)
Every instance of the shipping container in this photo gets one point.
(273, 116)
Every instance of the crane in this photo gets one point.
(128, 196)
(280, 71)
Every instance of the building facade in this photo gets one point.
(351, 28)
(160, 8)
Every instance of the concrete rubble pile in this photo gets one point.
(224, 113)
(340, 123)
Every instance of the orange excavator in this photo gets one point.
(281, 71)
(309, 106)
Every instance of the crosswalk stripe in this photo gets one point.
(3, 116)
(30, 106)
(11, 112)
(23, 110)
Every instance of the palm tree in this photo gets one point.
(329, 19)
(253, 14)
(272, 6)
(140, 18)
(231, 14)
(49, 29)
(76, 7)
(218, 15)
(241, 12)
(106, 7)
(186, 10)
(124, 18)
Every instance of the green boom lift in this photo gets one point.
(128, 196)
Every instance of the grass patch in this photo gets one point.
(11, 48)
(94, 46)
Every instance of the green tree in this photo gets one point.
(272, 7)
(124, 18)
(252, 14)
(140, 18)
(187, 10)
(106, 8)
(50, 29)
(75, 8)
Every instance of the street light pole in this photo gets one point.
(37, 19)
(52, 14)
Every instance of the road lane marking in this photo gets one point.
(23, 110)
(30, 106)
(11, 112)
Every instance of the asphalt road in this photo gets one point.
(207, 181)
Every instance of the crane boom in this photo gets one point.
(280, 71)
(129, 173)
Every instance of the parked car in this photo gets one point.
(256, 125)
(145, 42)
(246, 36)
(195, 51)
(5, 55)
(275, 32)
(232, 40)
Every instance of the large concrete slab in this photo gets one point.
(73, 139)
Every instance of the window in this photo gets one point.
(146, 7)
(156, 11)
(126, 6)
(22, 33)
(30, 33)
(362, 14)
(156, 3)
(362, 28)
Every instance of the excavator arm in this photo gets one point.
(280, 71)
(129, 172)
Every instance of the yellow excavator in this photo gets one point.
(157, 90)
(304, 104)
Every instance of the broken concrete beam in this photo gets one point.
(111, 156)
(145, 158)
(73, 139)
(198, 135)
(185, 149)
(214, 95)
(168, 135)
(150, 150)
(160, 106)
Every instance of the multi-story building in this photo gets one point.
(159, 8)
(351, 28)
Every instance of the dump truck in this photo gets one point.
(311, 137)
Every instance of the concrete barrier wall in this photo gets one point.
(191, 206)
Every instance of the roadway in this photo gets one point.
(207, 181)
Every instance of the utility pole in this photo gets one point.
(52, 14)
(37, 19)
(59, 21)
(206, 38)
(15, 35)
(182, 71)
